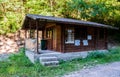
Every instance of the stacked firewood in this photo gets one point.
(12, 42)
(8, 45)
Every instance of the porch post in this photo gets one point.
(106, 38)
(37, 36)
(42, 33)
(96, 38)
(25, 33)
(63, 38)
(30, 29)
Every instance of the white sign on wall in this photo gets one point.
(85, 42)
(89, 37)
(77, 42)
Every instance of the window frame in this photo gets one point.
(71, 39)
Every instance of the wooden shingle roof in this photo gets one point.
(64, 20)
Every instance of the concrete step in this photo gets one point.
(49, 54)
(46, 59)
(50, 63)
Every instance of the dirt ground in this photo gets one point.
(106, 70)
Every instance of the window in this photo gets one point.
(69, 35)
(49, 33)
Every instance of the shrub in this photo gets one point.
(115, 50)
(96, 54)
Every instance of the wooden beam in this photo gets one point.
(42, 33)
(29, 28)
(37, 36)
(25, 33)
(63, 38)
(106, 38)
(95, 37)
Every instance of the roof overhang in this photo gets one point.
(63, 20)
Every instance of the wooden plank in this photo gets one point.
(96, 38)
(29, 28)
(42, 33)
(63, 38)
(25, 33)
(37, 36)
(58, 38)
(106, 38)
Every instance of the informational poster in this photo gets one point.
(85, 42)
(89, 37)
(77, 42)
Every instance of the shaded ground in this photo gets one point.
(107, 70)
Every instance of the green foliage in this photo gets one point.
(10, 16)
(19, 65)
(86, 9)
(12, 12)
(102, 11)
(19, 59)
(115, 50)
(97, 54)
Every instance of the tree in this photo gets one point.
(103, 11)
(12, 12)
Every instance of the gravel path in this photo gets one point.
(107, 70)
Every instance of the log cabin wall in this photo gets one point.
(95, 37)
(81, 34)
(101, 38)
(54, 38)
(89, 34)
(49, 35)
(58, 38)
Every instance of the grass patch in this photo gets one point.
(97, 54)
(19, 65)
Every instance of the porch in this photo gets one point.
(49, 58)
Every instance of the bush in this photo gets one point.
(96, 54)
(115, 50)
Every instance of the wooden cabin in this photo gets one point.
(68, 35)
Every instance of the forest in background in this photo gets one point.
(12, 12)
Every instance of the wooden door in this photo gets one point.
(100, 41)
(49, 34)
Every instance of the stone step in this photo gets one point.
(50, 63)
(49, 54)
(46, 59)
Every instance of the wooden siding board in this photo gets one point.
(93, 44)
(62, 39)
(100, 43)
(59, 45)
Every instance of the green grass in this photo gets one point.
(19, 65)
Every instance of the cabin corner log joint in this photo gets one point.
(66, 35)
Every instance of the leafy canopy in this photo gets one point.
(12, 12)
